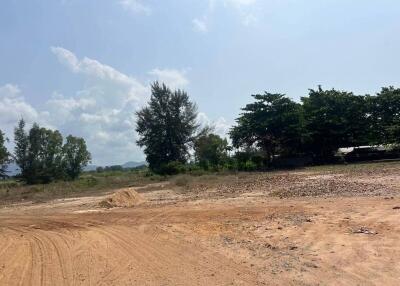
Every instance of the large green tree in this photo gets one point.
(75, 156)
(42, 157)
(273, 123)
(384, 116)
(5, 158)
(334, 119)
(166, 127)
(38, 153)
(21, 148)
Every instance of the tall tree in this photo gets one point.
(75, 156)
(21, 148)
(34, 168)
(166, 126)
(272, 123)
(5, 158)
(51, 155)
(334, 119)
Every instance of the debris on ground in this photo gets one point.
(364, 230)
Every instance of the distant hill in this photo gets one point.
(127, 165)
(133, 164)
(14, 170)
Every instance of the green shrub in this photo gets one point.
(172, 168)
(250, 166)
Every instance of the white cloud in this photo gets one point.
(200, 25)
(103, 112)
(221, 126)
(92, 67)
(249, 20)
(245, 10)
(135, 6)
(239, 3)
(171, 77)
(14, 107)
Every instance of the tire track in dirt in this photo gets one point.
(241, 242)
(110, 255)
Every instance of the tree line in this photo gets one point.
(271, 128)
(42, 155)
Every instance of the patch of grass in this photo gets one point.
(88, 184)
(182, 180)
(98, 183)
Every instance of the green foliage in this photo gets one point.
(172, 168)
(273, 123)
(166, 127)
(42, 157)
(4, 156)
(249, 159)
(38, 153)
(21, 148)
(110, 168)
(75, 156)
(384, 111)
(211, 151)
(325, 121)
(334, 119)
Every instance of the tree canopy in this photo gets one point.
(273, 123)
(42, 157)
(5, 158)
(324, 121)
(211, 151)
(166, 127)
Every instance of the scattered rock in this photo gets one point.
(310, 265)
(364, 230)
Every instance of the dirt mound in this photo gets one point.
(122, 198)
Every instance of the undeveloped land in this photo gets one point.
(319, 226)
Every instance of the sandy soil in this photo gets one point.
(221, 236)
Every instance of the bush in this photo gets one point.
(250, 166)
(172, 168)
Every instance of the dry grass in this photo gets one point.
(87, 184)
(275, 183)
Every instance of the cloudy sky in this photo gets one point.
(84, 66)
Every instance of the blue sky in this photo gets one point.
(84, 67)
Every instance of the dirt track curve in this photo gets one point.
(59, 251)
(249, 239)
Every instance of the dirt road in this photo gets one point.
(250, 239)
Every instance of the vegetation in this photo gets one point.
(42, 157)
(89, 183)
(324, 121)
(273, 124)
(211, 151)
(4, 156)
(75, 156)
(270, 132)
(166, 128)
